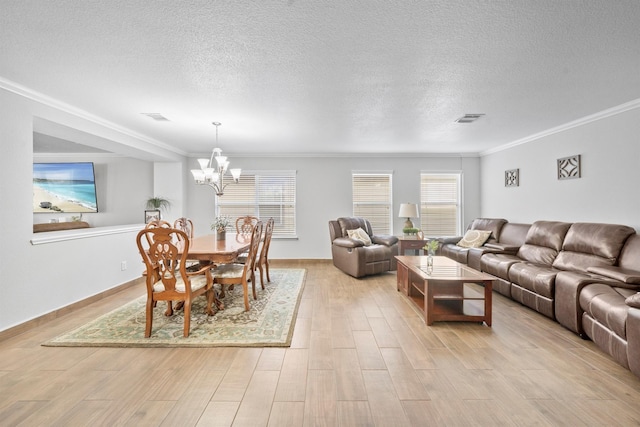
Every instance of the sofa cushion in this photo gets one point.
(606, 304)
(494, 225)
(376, 253)
(630, 254)
(543, 242)
(361, 235)
(514, 234)
(351, 223)
(539, 279)
(591, 244)
(474, 238)
(498, 264)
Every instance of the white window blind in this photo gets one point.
(263, 194)
(372, 199)
(440, 206)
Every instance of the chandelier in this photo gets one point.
(212, 174)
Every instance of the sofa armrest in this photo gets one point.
(451, 240)
(624, 275)
(347, 242)
(384, 239)
(568, 286)
(505, 249)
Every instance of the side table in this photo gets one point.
(411, 242)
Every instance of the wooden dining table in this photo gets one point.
(208, 249)
(217, 251)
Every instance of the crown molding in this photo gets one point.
(41, 98)
(341, 155)
(619, 109)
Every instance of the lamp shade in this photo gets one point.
(408, 210)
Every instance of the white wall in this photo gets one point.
(607, 192)
(324, 193)
(169, 183)
(35, 280)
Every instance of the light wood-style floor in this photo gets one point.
(360, 356)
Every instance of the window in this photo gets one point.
(372, 199)
(440, 204)
(264, 194)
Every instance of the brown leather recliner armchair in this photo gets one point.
(356, 258)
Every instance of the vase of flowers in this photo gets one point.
(220, 225)
(431, 247)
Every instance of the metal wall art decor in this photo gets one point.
(512, 178)
(569, 167)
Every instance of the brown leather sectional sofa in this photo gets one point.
(586, 276)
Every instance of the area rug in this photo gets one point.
(269, 323)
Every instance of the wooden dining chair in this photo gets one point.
(167, 278)
(236, 273)
(184, 224)
(245, 224)
(262, 261)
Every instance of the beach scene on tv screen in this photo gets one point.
(64, 187)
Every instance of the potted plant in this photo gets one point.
(220, 225)
(409, 231)
(158, 203)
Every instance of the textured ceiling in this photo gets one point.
(334, 77)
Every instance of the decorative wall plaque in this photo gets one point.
(512, 178)
(569, 167)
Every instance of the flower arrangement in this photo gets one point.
(221, 223)
(432, 246)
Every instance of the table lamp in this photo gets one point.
(408, 210)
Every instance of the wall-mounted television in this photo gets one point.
(64, 187)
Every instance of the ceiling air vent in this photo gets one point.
(469, 118)
(156, 116)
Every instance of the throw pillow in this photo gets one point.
(360, 234)
(474, 238)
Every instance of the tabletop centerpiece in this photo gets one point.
(431, 247)
(220, 225)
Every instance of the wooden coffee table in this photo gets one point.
(446, 291)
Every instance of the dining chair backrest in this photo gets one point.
(266, 242)
(156, 223)
(163, 260)
(184, 224)
(256, 237)
(263, 259)
(245, 224)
